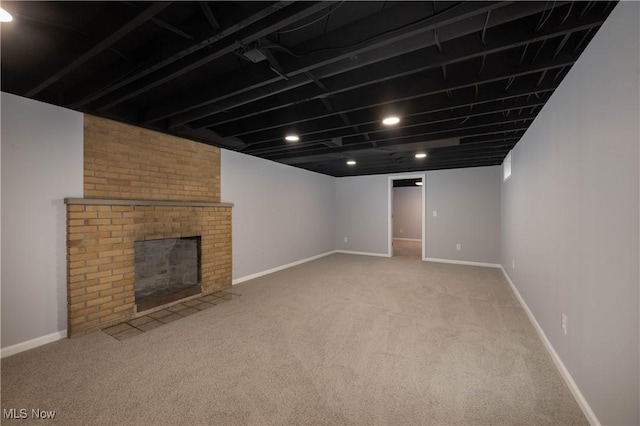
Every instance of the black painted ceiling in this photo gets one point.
(466, 78)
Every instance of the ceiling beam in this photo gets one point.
(361, 170)
(209, 137)
(418, 134)
(166, 59)
(171, 28)
(295, 90)
(422, 112)
(498, 127)
(408, 123)
(116, 35)
(474, 140)
(431, 159)
(255, 78)
(406, 88)
(429, 103)
(339, 168)
(163, 24)
(383, 160)
(209, 15)
(496, 143)
(282, 17)
(434, 154)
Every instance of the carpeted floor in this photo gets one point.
(341, 340)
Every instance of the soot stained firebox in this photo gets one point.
(166, 270)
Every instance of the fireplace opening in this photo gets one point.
(166, 270)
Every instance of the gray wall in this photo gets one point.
(281, 215)
(407, 212)
(467, 202)
(362, 205)
(41, 165)
(468, 205)
(570, 219)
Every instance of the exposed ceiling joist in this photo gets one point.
(443, 132)
(125, 29)
(375, 94)
(268, 127)
(373, 128)
(395, 43)
(334, 62)
(257, 78)
(284, 15)
(165, 59)
(209, 15)
(363, 170)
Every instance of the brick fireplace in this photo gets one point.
(139, 185)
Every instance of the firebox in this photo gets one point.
(166, 270)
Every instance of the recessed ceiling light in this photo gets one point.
(5, 16)
(390, 121)
(292, 138)
(419, 183)
(421, 155)
(351, 162)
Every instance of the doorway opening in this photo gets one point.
(407, 216)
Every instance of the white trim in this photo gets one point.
(407, 239)
(279, 268)
(573, 387)
(461, 262)
(390, 179)
(33, 343)
(362, 253)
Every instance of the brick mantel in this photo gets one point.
(102, 202)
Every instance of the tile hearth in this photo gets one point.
(165, 316)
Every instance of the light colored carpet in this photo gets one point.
(341, 340)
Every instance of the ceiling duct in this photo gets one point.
(254, 55)
(334, 142)
(440, 143)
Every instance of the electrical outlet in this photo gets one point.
(435, 213)
(513, 264)
(458, 246)
(401, 231)
(346, 240)
(564, 323)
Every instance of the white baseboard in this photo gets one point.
(573, 387)
(279, 268)
(407, 239)
(33, 343)
(363, 253)
(461, 262)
